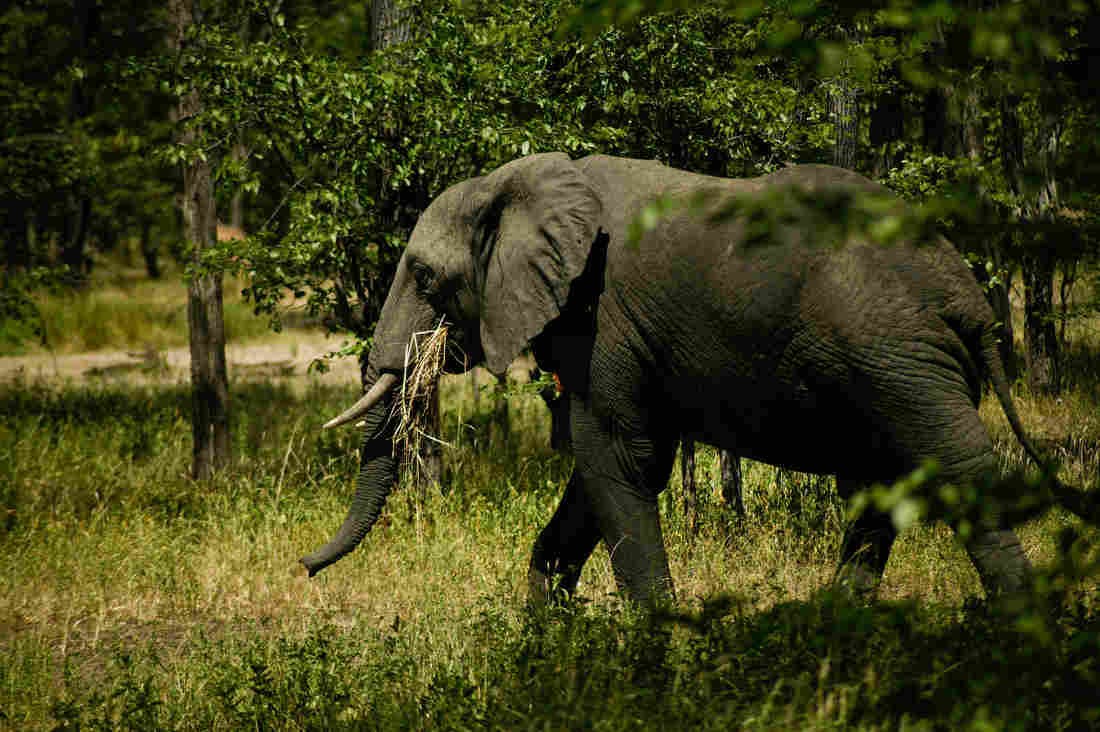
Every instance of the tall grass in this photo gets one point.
(122, 314)
(134, 598)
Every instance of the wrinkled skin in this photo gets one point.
(861, 360)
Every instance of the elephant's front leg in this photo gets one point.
(866, 546)
(563, 546)
(623, 471)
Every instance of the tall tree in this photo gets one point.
(954, 128)
(1043, 353)
(389, 23)
(844, 109)
(886, 129)
(844, 113)
(209, 381)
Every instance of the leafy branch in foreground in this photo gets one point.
(1011, 500)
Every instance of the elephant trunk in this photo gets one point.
(377, 475)
(404, 314)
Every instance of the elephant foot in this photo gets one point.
(856, 581)
(1001, 562)
(539, 586)
(547, 584)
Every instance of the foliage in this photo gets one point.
(1022, 36)
(336, 147)
(357, 147)
(353, 143)
(20, 320)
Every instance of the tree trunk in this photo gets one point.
(998, 296)
(963, 126)
(887, 127)
(209, 382)
(17, 237)
(75, 236)
(389, 23)
(729, 471)
(844, 111)
(1037, 208)
(1065, 290)
(687, 480)
(971, 128)
(1044, 372)
(1046, 209)
(941, 130)
(934, 127)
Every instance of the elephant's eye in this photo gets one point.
(425, 279)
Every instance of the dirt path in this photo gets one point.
(282, 356)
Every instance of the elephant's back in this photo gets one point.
(633, 182)
(817, 178)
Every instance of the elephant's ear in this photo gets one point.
(535, 238)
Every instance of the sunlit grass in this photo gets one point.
(118, 313)
(138, 315)
(131, 591)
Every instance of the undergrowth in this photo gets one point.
(134, 598)
(823, 664)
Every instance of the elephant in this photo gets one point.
(808, 347)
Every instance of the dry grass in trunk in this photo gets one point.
(418, 403)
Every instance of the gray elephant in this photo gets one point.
(804, 347)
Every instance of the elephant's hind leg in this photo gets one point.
(563, 546)
(993, 547)
(952, 433)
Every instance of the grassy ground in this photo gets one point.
(122, 309)
(133, 598)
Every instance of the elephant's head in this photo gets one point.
(494, 257)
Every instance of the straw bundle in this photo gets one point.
(417, 404)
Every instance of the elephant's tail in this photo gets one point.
(1082, 504)
(991, 354)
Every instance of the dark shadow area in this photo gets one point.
(823, 663)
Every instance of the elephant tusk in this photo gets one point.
(373, 396)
